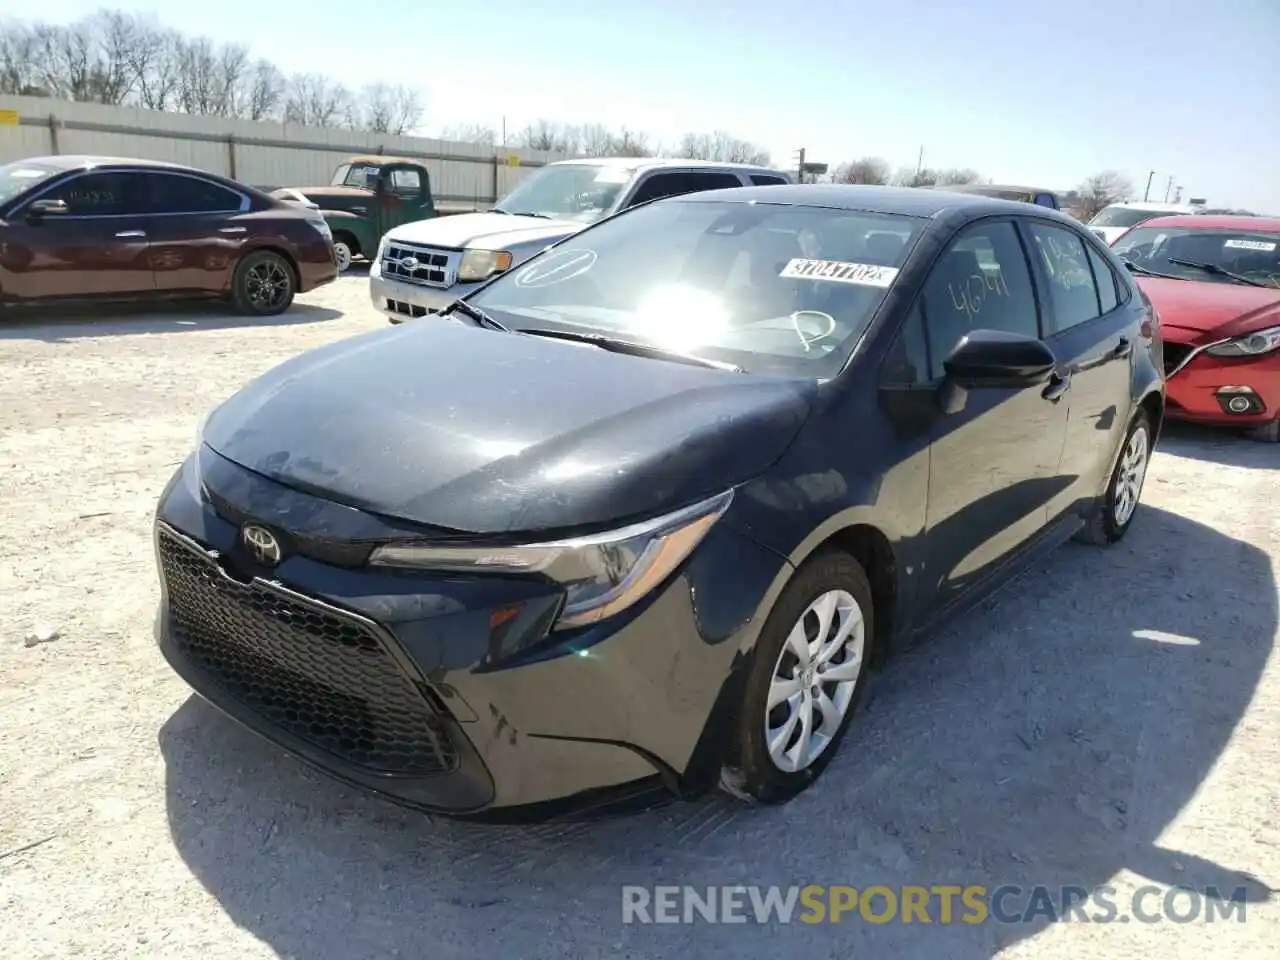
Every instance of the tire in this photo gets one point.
(342, 255)
(263, 267)
(1113, 513)
(1267, 433)
(751, 772)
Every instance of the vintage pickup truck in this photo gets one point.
(421, 268)
(366, 197)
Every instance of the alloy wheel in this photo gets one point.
(814, 680)
(1130, 474)
(267, 284)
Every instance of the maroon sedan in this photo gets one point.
(102, 228)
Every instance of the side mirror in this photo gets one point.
(993, 358)
(39, 209)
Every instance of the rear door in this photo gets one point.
(673, 183)
(1092, 335)
(197, 232)
(98, 247)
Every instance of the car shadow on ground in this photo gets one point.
(1231, 448)
(1049, 736)
(62, 325)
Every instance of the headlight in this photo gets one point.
(482, 264)
(1250, 345)
(601, 575)
(382, 248)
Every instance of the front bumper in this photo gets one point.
(402, 301)
(427, 690)
(1215, 390)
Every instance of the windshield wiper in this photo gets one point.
(1216, 270)
(500, 210)
(481, 318)
(1136, 268)
(632, 348)
(526, 213)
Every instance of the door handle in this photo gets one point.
(1057, 388)
(1123, 348)
(124, 234)
(231, 229)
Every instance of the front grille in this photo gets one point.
(407, 309)
(1174, 354)
(425, 266)
(310, 670)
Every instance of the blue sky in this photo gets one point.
(1021, 90)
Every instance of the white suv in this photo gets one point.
(422, 267)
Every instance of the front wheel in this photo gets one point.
(264, 284)
(1267, 433)
(341, 255)
(807, 676)
(1113, 514)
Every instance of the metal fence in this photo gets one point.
(463, 175)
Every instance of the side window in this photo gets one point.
(1047, 200)
(1072, 294)
(175, 194)
(764, 180)
(908, 359)
(1105, 278)
(406, 181)
(981, 282)
(107, 194)
(661, 185)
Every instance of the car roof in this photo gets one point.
(64, 162)
(651, 163)
(979, 187)
(1218, 221)
(1153, 205)
(903, 201)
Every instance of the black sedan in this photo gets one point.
(639, 517)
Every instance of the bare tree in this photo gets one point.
(382, 108)
(470, 133)
(20, 61)
(1101, 190)
(314, 101)
(549, 135)
(596, 140)
(871, 170)
(118, 35)
(721, 146)
(630, 143)
(911, 177)
(264, 91)
(957, 176)
(152, 59)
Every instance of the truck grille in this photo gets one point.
(310, 670)
(1174, 354)
(425, 266)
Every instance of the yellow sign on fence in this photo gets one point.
(513, 160)
(8, 118)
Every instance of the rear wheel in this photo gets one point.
(807, 676)
(345, 248)
(1113, 514)
(264, 284)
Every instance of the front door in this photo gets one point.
(98, 247)
(1092, 338)
(993, 460)
(404, 195)
(196, 239)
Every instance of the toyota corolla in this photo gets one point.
(639, 517)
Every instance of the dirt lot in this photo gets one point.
(1110, 717)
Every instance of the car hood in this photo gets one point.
(496, 230)
(484, 432)
(1192, 309)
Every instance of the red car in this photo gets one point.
(1215, 282)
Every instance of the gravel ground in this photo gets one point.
(1110, 717)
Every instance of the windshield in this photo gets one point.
(18, 177)
(769, 288)
(572, 191)
(1249, 254)
(1125, 216)
(356, 175)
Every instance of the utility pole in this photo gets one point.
(920, 161)
(504, 131)
(1147, 193)
(1167, 188)
(800, 167)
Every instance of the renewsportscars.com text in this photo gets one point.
(939, 904)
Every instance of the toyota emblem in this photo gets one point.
(261, 544)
